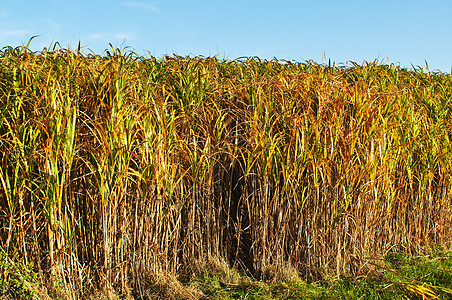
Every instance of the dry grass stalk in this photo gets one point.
(117, 166)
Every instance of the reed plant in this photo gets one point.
(115, 168)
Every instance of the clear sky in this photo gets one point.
(405, 32)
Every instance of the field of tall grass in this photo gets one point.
(118, 169)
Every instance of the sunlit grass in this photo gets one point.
(117, 167)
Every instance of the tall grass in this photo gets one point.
(116, 168)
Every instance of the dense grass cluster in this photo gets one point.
(116, 168)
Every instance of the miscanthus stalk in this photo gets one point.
(115, 168)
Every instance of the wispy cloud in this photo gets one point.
(15, 33)
(52, 24)
(97, 36)
(111, 37)
(141, 5)
(125, 36)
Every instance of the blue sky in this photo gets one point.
(405, 32)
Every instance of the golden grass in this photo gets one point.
(117, 166)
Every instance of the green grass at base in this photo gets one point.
(399, 276)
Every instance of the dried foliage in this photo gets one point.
(115, 168)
